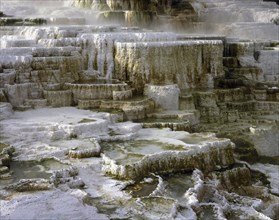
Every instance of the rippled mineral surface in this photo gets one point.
(139, 109)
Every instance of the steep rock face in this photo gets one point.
(128, 5)
(161, 6)
(61, 64)
(190, 64)
(141, 12)
(100, 52)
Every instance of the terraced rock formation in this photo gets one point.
(111, 120)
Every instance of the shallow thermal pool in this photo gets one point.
(132, 151)
(33, 169)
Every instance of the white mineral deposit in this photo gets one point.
(139, 109)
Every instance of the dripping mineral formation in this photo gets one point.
(139, 109)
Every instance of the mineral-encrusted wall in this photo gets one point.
(190, 64)
(99, 54)
(160, 6)
(141, 12)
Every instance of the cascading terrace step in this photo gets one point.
(191, 115)
(122, 95)
(67, 62)
(175, 120)
(267, 106)
(54, 51)
(251, 73)
(133, 109)
(98, 89)
(7, 76)
(242, 106)
(17, 21)
(6, 31)
(61, 42)
(58, 98)
(11, 43)
(36, 103)
(13, 21)
(65, 21)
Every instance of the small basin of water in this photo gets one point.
(144, 188)
(117, 150)
(150, 146)
(177, 185)
(132, 151)
(32, 169)
(196, 139)
(156, 207)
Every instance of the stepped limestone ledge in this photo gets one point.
(144, 12)
(190, 64)
(163, 151)
(84, 149)
(47, 124)
(258, 54)
(111, 5)
(49, 132)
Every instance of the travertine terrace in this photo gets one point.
(133, 109)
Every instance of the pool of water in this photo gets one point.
(32, 169)
(144, 188)
(133, 151)
(197, 138)
(177, 185)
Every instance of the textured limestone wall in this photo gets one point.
(259, 58)
(95, 91)
(142, 12)
(99, 54)
(190, 64)
(134, 5)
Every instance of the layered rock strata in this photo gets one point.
(197, 82)
(143, 13)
